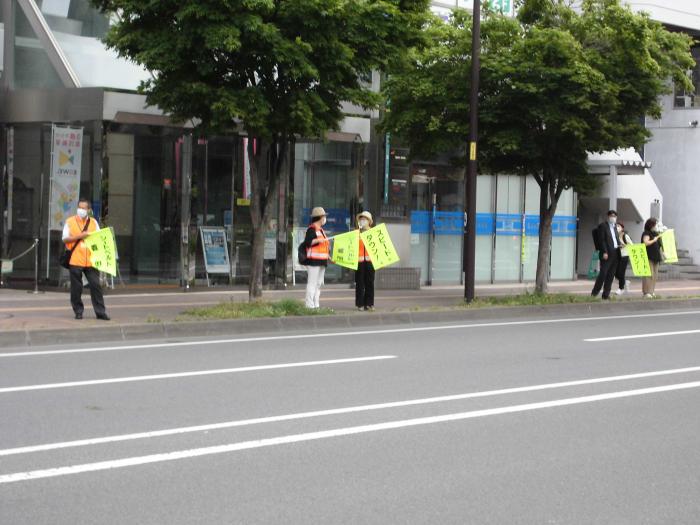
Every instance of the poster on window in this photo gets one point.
(66, 156)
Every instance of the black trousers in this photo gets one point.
(76, 289)
(607, 274)
(621, 271)
(364, 285)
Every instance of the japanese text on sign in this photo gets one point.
(103, 252)
(378, 244)
(345, 249)
(639, 260)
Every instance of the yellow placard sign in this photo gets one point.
(668, 239)
(378, 244)
(472, 151)
(103, 251)
(639, 260)
(345, 249)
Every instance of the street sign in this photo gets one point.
(503, 6)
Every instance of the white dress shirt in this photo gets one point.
(613, 232)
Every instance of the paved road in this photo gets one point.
(513, 421)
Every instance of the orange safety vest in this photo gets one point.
(320, 251)
(362, 253)
(81, 254)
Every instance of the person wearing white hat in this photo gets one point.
(364, 276)
(317, 256)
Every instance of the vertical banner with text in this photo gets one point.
(668, 240)
(66, 156)
(378, 243)
(345, 249)
(639, 260)
(103, 251)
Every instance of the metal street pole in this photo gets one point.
(470, 183)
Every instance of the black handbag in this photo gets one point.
(64, 257)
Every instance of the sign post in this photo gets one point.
(215, 250)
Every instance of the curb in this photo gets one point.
(266, 326)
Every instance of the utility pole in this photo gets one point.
(470, 182)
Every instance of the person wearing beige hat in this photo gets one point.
(317, 256)
(364, 276)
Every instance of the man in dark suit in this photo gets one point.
(608, 246)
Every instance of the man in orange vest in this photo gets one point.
(75, 230)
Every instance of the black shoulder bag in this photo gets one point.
(64, 258)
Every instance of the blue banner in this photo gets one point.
(451, 223)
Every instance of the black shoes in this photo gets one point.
(78, 316)
(104, 317)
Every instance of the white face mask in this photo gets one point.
(323, 221)
(612, 220)
(619, 229)
(82, 213)
(363, 223)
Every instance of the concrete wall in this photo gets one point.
(674, 152)
(679, 13)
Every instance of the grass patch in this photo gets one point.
(531, 299)
(233, 310)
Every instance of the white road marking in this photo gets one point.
(337, 411)
(192, 374)
(325, 434)
(343, 334)
(641, 336)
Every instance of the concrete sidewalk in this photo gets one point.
(28, 319)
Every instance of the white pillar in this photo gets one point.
(613, 188)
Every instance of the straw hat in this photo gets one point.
(367, 215)
(318, 212)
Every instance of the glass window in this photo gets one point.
(33, 68)
(327, 175)
(531, 241)
(683, 99)
(2, 42)
(508, 226)
(485, 229)
(78, 29)
(143, 200)
(564, 237)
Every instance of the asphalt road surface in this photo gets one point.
(589, 420)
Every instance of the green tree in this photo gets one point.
(274, 69)
(556, 84)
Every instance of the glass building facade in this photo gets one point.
(156, 184)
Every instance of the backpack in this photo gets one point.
(301, 253)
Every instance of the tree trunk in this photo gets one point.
(257, 262)
(266, 163)
(550, 191)
(543, 251)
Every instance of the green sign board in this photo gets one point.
(504, 6)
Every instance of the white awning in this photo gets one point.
(627, 161)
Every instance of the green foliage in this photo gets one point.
(280, 68)
(555, 85)
(232, 310)
(531, 299)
